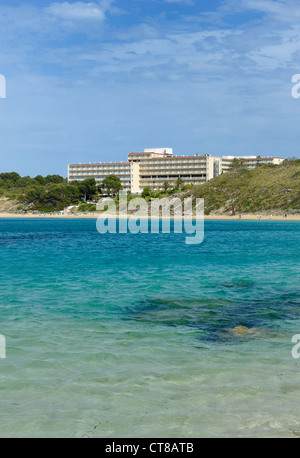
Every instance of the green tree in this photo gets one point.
(40, 179)
(25, 182)
(72, 192)
(236, 164)
(88, 188)
(33, 194)
(52, 199)
(179, 182)
(111, 183)
(147, 192)
(53, 179)
(166, 186)
(9, 179)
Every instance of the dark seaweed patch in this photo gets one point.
(239, 284)
(216, 316)
(205, 314)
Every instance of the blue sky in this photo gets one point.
(91, 81)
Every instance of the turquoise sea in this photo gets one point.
(126, 335)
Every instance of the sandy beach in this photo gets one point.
(94, 215)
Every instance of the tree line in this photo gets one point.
(49, 193)
(54, 192)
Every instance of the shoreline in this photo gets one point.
(246, 217)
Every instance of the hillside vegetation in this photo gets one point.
(268, 188)
(44, 194)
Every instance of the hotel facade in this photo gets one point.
(251, 162)
(153, 167)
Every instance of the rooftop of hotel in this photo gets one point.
(166, 156)
(167, 153)
(100, 163)
(251, 157)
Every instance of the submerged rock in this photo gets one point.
(241, 330)
(200, 313)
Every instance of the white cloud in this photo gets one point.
(282, 10)
(194, 69)
(79, 10)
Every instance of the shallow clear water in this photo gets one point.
(127, 335)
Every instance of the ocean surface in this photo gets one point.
(129, 335)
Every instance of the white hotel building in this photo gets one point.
(250, 161)
(156, 165)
